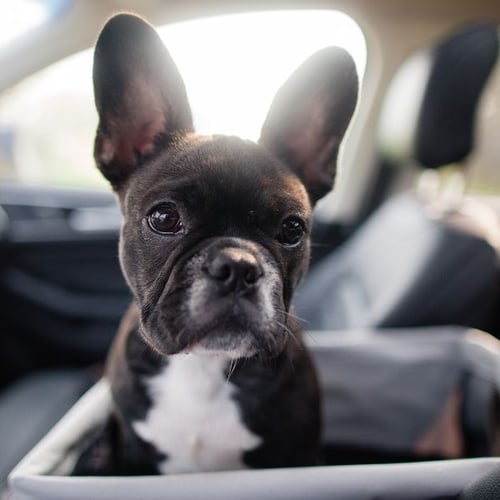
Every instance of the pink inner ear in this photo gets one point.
(134, 125)
(145, 138)
(143, 114)
(131, 137)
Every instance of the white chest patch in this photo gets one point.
(193, 418)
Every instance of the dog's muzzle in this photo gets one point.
(226, 298)
(234, 297)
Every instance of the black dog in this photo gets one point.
(208, 371)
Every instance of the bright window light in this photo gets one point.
(233, 65)
(19, 17)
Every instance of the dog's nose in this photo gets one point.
(234, 270)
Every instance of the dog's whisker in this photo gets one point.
(293, 315)
(231, 368)
(289, 332)
(311, 337)
(297, 317)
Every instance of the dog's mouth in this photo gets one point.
(229, 344)
(234, 331)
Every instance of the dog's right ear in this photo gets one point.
(309, 117)
(140, 97)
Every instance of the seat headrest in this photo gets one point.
(429, 111)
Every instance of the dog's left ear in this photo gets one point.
(309, 116)
(140, 96)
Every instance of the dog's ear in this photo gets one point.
(309, 116)
(140, 96)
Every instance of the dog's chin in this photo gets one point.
(205, 349)
(220, 339)
(235, 330)
(235, 343)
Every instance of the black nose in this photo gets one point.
(234, 270)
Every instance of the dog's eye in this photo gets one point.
(165, 219)
(291, 231)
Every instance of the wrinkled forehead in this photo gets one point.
(231, 173)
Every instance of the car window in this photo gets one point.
(232, 65)
(21, 17)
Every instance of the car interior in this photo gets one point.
(401, 304)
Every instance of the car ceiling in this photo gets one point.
(412, 23)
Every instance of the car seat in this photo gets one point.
(409, 264)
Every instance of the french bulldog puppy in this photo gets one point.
(208, 371)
